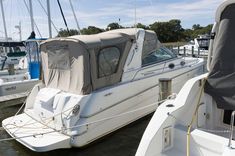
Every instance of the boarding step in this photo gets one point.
(201, 143)
(210, 144)
(34, 135)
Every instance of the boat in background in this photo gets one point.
(92, 84)
(15, 87)
(12, 52)
(200, 120)
(197, 47)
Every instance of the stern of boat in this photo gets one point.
(35, 135)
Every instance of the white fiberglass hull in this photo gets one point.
(14, 89)
(17, 72)
(101, 112)
(166, 134)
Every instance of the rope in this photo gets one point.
(193, 118)
(36, 121)
(21, 107)
(1, 128)
(81, 125)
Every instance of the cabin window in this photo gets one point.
(108, 59)
(58, 57)
(158, 55)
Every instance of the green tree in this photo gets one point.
(202, 30)
(187, 35)
(113, 26)
(140, 25)
(91, 30)
(170, 31)
(65, 33)
(196, 27)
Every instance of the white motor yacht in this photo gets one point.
(12, 52)
(200, 120)
(196, 48)
(94, 85)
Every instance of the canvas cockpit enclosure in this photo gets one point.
(84, 63)
(221, 80)
(63, 64)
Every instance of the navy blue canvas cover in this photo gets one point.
(221, 80)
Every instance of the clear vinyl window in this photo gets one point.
(58, 57)
(108, 60)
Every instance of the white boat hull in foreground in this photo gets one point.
(166, 134)
(200, 120)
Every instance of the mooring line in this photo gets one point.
(81, 125)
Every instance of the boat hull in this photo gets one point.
(98, 117)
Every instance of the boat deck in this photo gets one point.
(201, 143)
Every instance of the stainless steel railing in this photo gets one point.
(231, 129)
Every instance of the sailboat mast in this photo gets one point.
(75, 17)
(20, 31)
(4, 22)
(49, 18)
(31, 14)
(19, 28)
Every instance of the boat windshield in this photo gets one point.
(159, 55)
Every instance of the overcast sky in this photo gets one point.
(102, 12)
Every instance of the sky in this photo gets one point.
(100, 13)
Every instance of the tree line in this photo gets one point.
(169, 31)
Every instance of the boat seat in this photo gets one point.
(54, 103)
(43, 105)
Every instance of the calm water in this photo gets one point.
(123, 142)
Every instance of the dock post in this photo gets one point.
(178, 49)
(192, 51)
(11, 69)
(198, 51)
(165, 88)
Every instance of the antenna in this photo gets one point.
(19, 28)
(135, 25)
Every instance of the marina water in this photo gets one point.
(123, 142)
